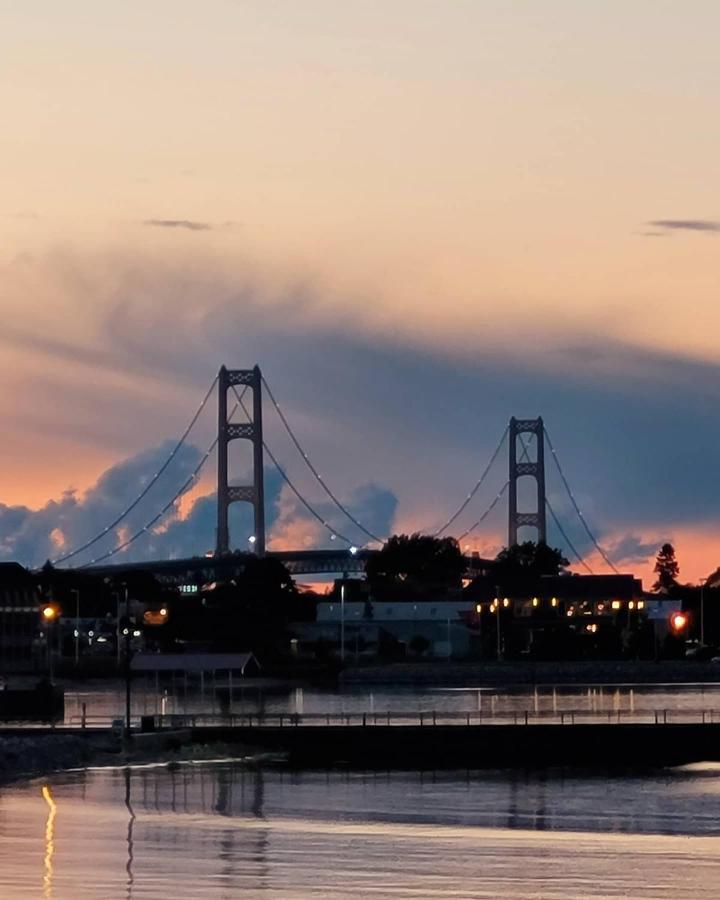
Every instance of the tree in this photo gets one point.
(530, 558)
(418, 562)
(666, 569)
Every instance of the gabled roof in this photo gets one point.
(192, 662)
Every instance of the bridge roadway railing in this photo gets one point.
(424, 718)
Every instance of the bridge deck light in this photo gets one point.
(252, 539)
(353, 550)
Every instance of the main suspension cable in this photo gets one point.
(576, 507)
(567, 539)
(478, 484)
(526, 456)
(149, 525)
(147, 487)
(318, 476)
(334, 533)
(486, 513)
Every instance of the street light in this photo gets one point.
(679, 622)
(50, 613)
(702, 611)
(497, 622)
(342, 621)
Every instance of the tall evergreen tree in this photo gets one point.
(666, 569)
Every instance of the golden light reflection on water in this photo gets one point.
(49, 841)
(221, 830)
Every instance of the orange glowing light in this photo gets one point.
(155, 616)
(678, 621)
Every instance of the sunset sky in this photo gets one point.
(420, 217)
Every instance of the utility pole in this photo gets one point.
(77, 625)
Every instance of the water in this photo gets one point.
(638, 701)
(220, 830)
(217, 830)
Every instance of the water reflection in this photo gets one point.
(259, 699)
(131, 823)
(220, 830)
(49, 841)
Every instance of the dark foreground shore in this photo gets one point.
(34, 755)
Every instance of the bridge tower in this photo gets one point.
(230, 431)
(524, 466)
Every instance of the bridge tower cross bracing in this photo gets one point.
(230, 431)
(519, 468)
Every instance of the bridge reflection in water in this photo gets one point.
(212, 829)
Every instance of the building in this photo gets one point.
(546, 617)
(19, 618)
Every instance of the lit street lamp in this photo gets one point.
(497, 622)
(342, 621)
(703, 582)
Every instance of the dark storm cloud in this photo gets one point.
(187, 224)
(631, 549)
(636, 429)
(27, 535)
(704, 225)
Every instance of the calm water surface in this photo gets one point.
(217, 830)
(628, 700)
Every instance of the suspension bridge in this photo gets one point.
(240, 419)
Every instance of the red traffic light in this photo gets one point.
(679, 621)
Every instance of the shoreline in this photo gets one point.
(580, 673)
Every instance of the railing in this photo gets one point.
(432, 718)
(424, 718)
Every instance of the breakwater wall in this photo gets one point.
(477, 746)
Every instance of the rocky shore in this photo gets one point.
(37, 754)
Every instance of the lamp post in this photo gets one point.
(127, 628)
(702, 611)
(77, 625)
(497, 622)
(342, 620)
(117, 629)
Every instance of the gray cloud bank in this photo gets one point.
(636, 430)
(32, 536)
(187, 224)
